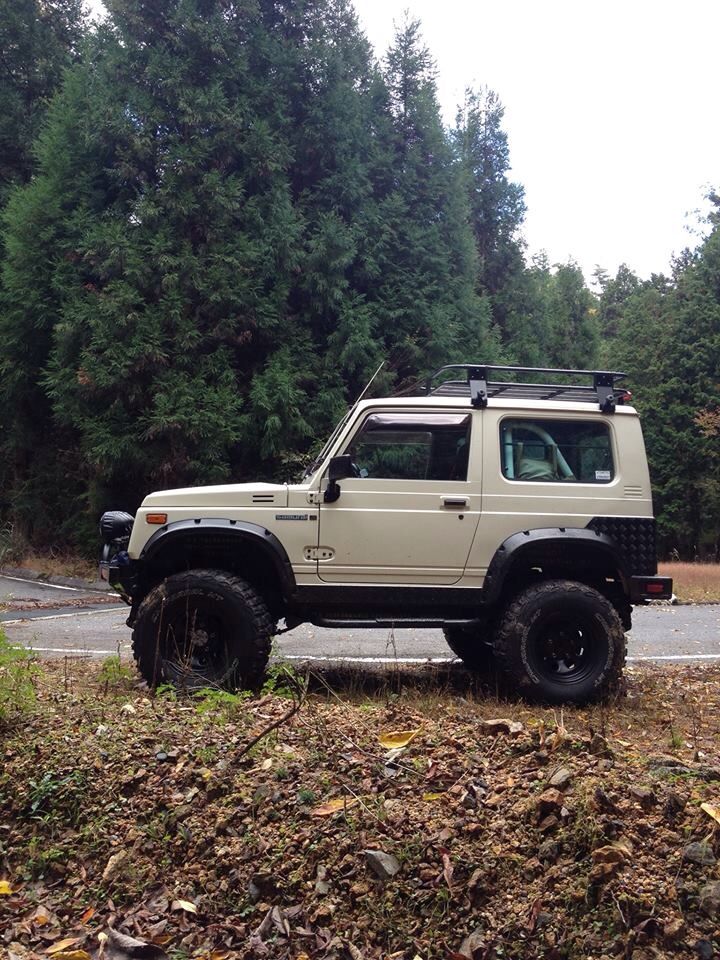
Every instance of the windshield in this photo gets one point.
(309, 470)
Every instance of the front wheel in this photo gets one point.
(562, 642)
(468, 644)
(203, 628)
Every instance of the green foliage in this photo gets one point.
(115, 673)
(218, 220)
(17, 681)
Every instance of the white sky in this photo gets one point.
(611, 109)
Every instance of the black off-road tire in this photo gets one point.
(203, 628)
(562, 642)
(469, 645)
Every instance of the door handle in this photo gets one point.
(455, 501)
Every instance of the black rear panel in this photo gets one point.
(635, 537)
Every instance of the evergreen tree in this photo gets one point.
(427, 304)
(39, 39)
(497, 205)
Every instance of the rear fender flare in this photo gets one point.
(521, 544)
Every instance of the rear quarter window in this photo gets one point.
(556, 451)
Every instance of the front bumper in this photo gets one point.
(644, 589)
(117, 570)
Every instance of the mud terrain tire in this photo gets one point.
(203, 628)
(561, 642)
(467, 643)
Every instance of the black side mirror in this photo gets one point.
(338, 468)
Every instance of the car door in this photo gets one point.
(409, 514)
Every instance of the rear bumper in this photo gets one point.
(644, 589)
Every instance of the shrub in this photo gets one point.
(17, 681)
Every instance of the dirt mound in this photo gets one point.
(407, 814)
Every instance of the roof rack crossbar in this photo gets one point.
(602, 389)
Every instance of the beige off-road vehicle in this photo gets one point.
(516, 516)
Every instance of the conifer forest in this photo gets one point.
(220, 216)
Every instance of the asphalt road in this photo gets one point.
(665, 633)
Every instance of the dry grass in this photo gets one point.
(694, 581)
(58, 565)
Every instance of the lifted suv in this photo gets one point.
(516, 516)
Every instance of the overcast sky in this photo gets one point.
(611, 109)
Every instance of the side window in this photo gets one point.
(567, 451)
(405, 446)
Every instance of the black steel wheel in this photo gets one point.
(469, 644)
(562, 642)
(203, 628)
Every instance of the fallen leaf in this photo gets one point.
(397, 738)
(5, 888)
(183, 905)
(333, 806)
(89, 913)
(72, 955)
(62, 945)
(429, 797)
(709, 809)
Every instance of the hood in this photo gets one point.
(223, 495)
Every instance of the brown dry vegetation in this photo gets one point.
(150, 815)
(694, 581)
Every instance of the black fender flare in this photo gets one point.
(515, 546)
(253, 533)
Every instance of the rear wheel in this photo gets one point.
(562, 642)
(468, 643)
(203, 628)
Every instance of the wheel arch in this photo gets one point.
(245, 549)
(578, 554)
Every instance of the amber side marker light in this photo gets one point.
(156, 518)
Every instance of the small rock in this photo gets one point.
(611, 853)
(113, 865)
(548, 823)
(473, 945)
(645, 795)
(161, 756)
(541, 757)
(700, 853)
(322, 884)
(710, 899)
(502, 725)
(385, 865)
(128, 708)
(549, 851)
(674, 805)
(674, 928)
(101, 729)
(550, 801)
(704, 949)
(561, 778)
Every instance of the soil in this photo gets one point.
(400, 814)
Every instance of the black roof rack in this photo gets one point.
(602, 388)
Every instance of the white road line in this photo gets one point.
(42, 583)
(674, 656)
(60, 616)
(82, 651)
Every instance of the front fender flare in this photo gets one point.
(172, 534)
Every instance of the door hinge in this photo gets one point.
(318, 553)
(313, 497)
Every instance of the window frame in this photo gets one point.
(541, 421)
(417, 421)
